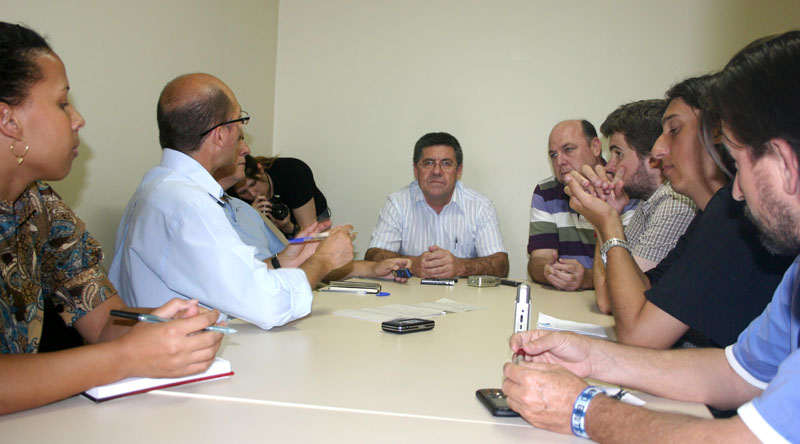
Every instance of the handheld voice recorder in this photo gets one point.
(522, 308)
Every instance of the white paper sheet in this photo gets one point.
(420, 310)
(547, 322)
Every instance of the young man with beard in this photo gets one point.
(662, 214)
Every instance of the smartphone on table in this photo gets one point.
(495, 401)
(407, 325)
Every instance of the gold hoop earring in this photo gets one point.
(20, 158)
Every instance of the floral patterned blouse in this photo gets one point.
(45, 252)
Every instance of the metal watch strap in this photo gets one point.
(611, 243)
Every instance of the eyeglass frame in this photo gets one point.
(422, 166)
(244, 120)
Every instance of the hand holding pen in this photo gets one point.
(153, 319)
(168, 349)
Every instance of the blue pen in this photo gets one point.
(153, 319)
(313, 237)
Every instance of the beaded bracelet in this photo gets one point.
(580, 408)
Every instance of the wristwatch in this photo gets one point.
(609, 244)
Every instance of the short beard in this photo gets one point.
(777, 237)
(641, 185)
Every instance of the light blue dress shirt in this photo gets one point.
(467, 226)
(767, 355)
(251, 228)
(174, 240)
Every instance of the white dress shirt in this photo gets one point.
(467, 226)
(174, 240)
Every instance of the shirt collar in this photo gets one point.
(455, 200)
(193, 170)
(27, 204)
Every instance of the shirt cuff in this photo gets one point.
(760, 427)
(744, 374)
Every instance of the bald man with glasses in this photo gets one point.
(445, 228)
(175, 239)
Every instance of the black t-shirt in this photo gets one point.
(294, 183)
(719, 277)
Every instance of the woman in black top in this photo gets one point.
(274, 180)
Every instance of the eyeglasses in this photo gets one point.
(428, 164)
(244, 119)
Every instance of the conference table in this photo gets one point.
(339, 378)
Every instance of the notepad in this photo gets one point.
(220, 368)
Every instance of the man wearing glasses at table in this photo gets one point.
(174, 239)
(445, 228)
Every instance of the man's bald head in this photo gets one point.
(188, 106)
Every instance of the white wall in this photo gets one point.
(119, 54)
(359, 81)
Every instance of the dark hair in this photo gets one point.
(639, 122)
(251, 165)
(181, 118)
(691, 90)
(434, 139)
(19, 47)
(251, 171)
(757, 94)
(588, 131)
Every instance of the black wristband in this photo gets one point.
(275, 263)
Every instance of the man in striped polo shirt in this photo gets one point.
(445, 228)
(561, 242)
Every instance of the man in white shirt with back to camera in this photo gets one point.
(174, 239)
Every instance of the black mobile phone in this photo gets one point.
(407, 325)
(495, 401)
(402, 273)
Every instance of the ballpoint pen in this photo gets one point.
(153, 319)
(314, 237)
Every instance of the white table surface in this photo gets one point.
(340, 379)
(340, 362)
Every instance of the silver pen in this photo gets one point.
(153, 319)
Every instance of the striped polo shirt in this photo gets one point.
(556, 226)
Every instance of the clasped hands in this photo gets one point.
(595, 195)
(436, 263)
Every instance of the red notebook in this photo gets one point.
(221, 368)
